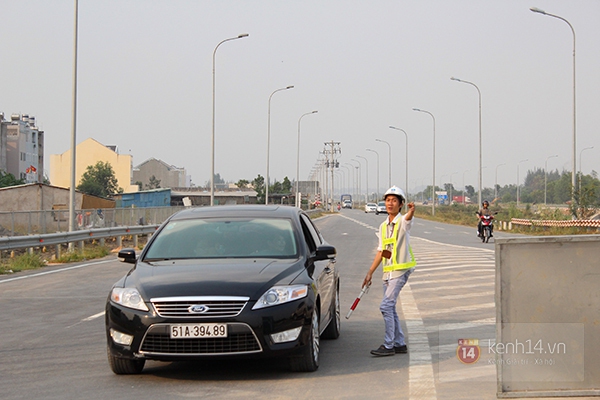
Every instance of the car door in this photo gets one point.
(324, 274)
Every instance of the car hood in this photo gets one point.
(227, 277)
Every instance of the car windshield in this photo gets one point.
(381, 204)
(224, 238)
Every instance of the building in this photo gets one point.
(169, 176)
(88, 153)
(201, 197)
(145, 198)
(22, 148)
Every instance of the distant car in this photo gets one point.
(226, 282)
(380, 209)
(347, 204)
(370, 207)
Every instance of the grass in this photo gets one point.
(21, 263)
(87, 254)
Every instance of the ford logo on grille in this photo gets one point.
(198, 309)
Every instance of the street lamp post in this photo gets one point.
(366, 177)
(406, 156)
(546, 178)
(212, 168)
(496, 182)
(390, 161)
(581, 176)
(464, 188)
(298, 201)
(518, 182)
(73, 128)
(433, 177)
(377, 190)
(269, 143)
(358, 171)
(574, 154)
(353, 179)
(480, 156)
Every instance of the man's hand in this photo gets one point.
(411, 211)
(367, 280)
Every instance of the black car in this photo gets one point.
(226, 281)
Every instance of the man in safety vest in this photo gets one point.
(398, 263)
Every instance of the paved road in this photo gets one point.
(53, 343)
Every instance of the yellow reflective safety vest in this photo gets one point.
(393, 263)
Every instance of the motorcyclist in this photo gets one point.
(484, 210)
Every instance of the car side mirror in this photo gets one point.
(325, 252)
(127, 256)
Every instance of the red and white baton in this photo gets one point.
(364, 290)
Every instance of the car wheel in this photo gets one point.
(125, 366)
(333, 329)
(308, 361)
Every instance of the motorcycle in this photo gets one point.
(487, 224)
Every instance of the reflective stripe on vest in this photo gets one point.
(393, 241)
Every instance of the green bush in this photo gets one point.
(22, 262)
(87, 254)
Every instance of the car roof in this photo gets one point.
(246, 210)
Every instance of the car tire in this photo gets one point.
(125, 366)
(333, 329)
(308, 361)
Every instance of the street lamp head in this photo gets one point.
(537, 10)
(416, 109)
(289, 87)
(243, 35)
(455, 79)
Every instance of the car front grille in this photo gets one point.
(240, 340)
(208, 307)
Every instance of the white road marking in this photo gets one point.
(18, 278)
(93, 317)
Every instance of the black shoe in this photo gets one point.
(383, 351)
(400, 349)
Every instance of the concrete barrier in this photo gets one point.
(547, 316)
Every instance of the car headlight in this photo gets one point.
(128, 297)
(281, 294)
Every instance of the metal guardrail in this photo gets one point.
(580, 223)
(25, 242)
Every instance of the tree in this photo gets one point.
(153, 183)
(470, 191)
(99, 180)
(286, 185)
(242, 183)
(258, 184)
(8, 179)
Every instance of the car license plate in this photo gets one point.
(187, 331)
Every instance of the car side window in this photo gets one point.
(313, 237)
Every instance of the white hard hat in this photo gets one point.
(395, 190)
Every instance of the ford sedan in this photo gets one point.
(226, 281)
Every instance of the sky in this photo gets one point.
(144, 83)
